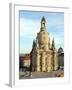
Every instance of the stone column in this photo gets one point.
(43, 62)
(38, 62)
(49, 61)
(55, 61)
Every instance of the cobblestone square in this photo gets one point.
(53, 74)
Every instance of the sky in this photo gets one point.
(30, 23)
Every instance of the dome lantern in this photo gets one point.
(43, 23)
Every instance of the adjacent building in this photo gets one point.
(61, 58)
(24, 60)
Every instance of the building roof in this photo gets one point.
(25, 57)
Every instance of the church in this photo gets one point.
(44, 53)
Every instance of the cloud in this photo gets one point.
(29, 27)
(28, 32)
(25, 50)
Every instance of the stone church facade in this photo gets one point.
(44, 54)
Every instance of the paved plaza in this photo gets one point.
(32, 75)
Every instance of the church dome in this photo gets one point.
(60, 50)
(43, 35)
